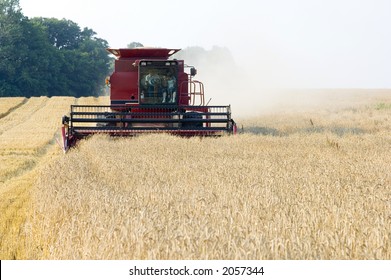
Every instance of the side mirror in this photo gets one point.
(193, 71)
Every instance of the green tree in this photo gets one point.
(62, 34)
(134, 45)
(82, 60)
(11, 37)
(47, 56)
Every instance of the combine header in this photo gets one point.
(149, 93)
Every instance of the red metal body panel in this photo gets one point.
(124, 82)
(183, 85)
(124, 87)
(141, 53)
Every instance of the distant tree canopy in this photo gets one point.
(135, 45)
(48, 56)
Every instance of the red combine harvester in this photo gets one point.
(149, 93)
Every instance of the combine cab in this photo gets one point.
(149, 93)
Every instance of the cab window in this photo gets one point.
(158, 82)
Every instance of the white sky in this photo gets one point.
(293, 43)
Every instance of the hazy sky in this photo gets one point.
(290, 43)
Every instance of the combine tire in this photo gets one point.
(192, 116)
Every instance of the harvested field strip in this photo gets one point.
(20, 115)
(8, 105)
(27, 136)
(17, 165)
(16, 236)
(15, 193)
(15, 207)
(14, 165)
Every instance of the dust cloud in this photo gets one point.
(262, 85)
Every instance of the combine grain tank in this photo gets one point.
(149, 93)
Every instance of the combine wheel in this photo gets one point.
(107, 124)
(192, 116)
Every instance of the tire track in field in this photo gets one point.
(16, 116)
(33, 159)
(31, 162)
(25, 137)
(16, 204)
(15, 192)
(10, 110)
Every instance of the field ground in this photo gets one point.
(28, 131)
(301, 181)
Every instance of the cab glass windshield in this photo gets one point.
(158, 82)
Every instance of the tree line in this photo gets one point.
(55, 57)
(48, 56)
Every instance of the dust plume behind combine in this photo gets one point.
(265, 85)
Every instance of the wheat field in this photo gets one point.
(304, 182)
(28, 132)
